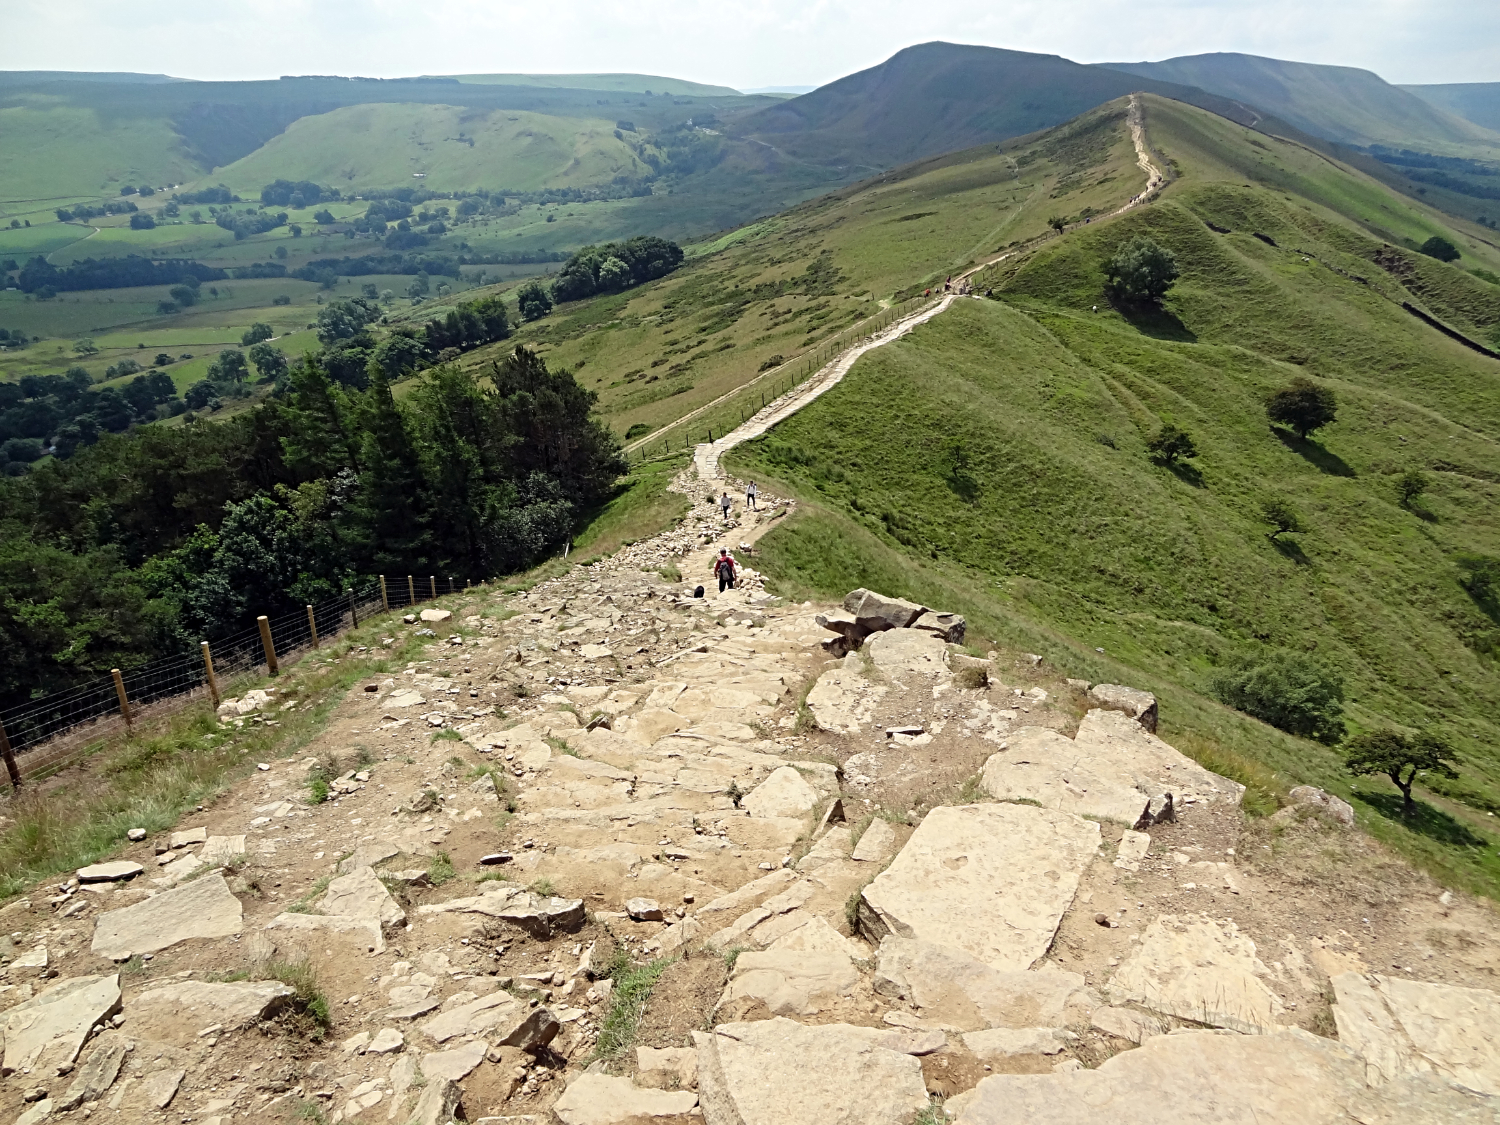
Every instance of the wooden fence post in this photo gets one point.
(120, 692)
(10, 759)
(312, 625)
(265, 642)
(385, 601)
(432, 579)
(353, 610)
(411, 591)
(208, 669)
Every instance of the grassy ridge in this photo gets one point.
(994, 462)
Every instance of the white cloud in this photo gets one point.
(745, 43)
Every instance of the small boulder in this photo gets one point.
(436, 615)
(644, 910)
(1139, 705)
(876, 612)
(109, 872)
(1335, 808)
(783, 794)
(949, 626)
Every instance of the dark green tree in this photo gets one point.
(1401, 758)
(1171, 444)
(1303, 405)
(1141, 271)
(270, 362)
(256, 333)
(1440, 248)
(1281, 516)
(1292, 690)
(386, 518)
(533, 301)
(1410, 485)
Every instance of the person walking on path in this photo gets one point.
(724, 567)
(750, 495)
(726, 503)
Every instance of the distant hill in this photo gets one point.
(618, 83)
(1338, 103)
(939, 97)
(453, 149)
(1478, 102)
(32, 77)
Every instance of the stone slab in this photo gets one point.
(991, 880)
(1402, 1027)
(111, 872)
(1040, 765)
(366, 932)
(783, 794)
(1005, 1042)
(899, 652)
(43, 1035)
(789, 982)
(777, 1072)
(361, 894)
(203, 908)
(876, 843)
(98, 1072)
(453, 1065)
(177, 1012)
(1201, 970)
(600, 1099)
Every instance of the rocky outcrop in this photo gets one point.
(1139, 705)
(1335, 808)
(1406, 1027)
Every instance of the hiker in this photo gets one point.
(750, 495)
(725, 503)
(724, 567)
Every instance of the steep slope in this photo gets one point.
(1478, 102)
(450, 147)
(938, 97)
(994, 461)
(1338, 103)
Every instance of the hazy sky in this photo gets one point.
(737, 43)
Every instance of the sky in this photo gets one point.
(739, 43)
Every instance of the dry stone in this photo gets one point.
(98, 1072)
(160, 1087)
(777, 1072)
(842, 700)
(789, 981)
(1004, 1042)
(991, 880)
(1133, 848)
(1289, 1077)
(436, 615)
(367, 855)
(176, 1012)
(1127, 1023)
(188, 836)
(908, 652)
(599, 1099)
(783, 794)
(109, 872)
(539, 916)
(951, 988)
(365, 932)
(439, 1103)
(1139, 705)
(453, 1065)
(1402, 1027)
(204, 908)
(361, 894)
(1326, 803)
(1200, 970)
(876, 843)
(43, 1035)
(948, 627)
(876, 612)
(666, 1068)
(1040, 765)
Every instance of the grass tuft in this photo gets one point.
(627, 1004)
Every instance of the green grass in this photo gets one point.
(627, 1004)
(440, 870)
(1060, 536)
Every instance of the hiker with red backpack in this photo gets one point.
(724, 568)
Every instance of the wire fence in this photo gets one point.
(40, 733)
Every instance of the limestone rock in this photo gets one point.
(539, 916)
(1197, 969)
(367, 855)
(643, 910)
(43, 1035)
(407, 698)
(366, 932)
(1003, 1042)
(37, 1113)
(1402, 1027)
(431, 615)
(789, 982)
(1326, 803)
(204, 908)
(876, 612)
(387, 1041)
(176, 1012)
(160, 1087)
(220, 850)
(109, 872)
(454, 1065)
(667, 1068)
(1133, 848)
(1127, 1023)
(950, 627)
(361, 894)
(876, 843)
(98, 1072)
(991, 880)
(842, 700)
(736, 902)
(1212, 1078)
(599, 1099)
(439, 1103)
(1114, 736)
(783, 794)
(594, 652)
(1139, 705)
(1040, 765)
(845, 626)
(951, 988)
(777, 1072)
(908, 652)
(476, 1017)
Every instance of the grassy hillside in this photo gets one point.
(994, 463)
(453, 148)
(934, 98)
(1338, 103)
(617, 83)
(1478, 102)
(55, 150)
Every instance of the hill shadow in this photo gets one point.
(1311, 451)
(1186, 473)
(1155, 321)
(1425, 821)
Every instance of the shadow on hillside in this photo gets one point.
(1425, 821)
(1291, 550)
(1156, 322)
(1308, 450)
(1186, 473)
(1420, 511)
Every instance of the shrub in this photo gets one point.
(1302, 405)
(1141, 270)
(1410, 485)
(533, 301)
(1280, 515)
(1294, 691)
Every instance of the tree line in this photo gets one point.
(145, 542)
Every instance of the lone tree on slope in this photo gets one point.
(1141, 271)
(1400, 758)
(1279, 514)
(1302, 405)
(1170, 445)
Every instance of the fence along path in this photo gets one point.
(44, 733)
